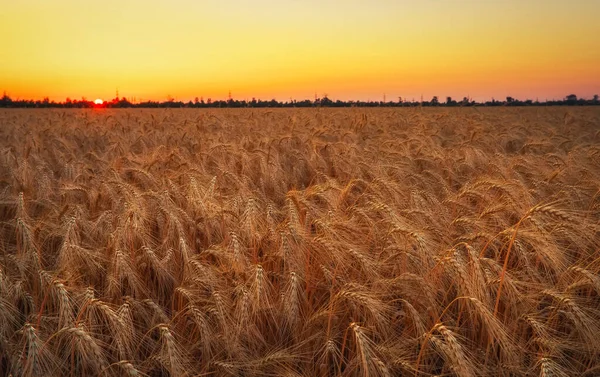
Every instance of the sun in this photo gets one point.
(98, 101)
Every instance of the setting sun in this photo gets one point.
(98, 101)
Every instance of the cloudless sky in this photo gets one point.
(267, 49)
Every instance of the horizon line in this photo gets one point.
(390, 99)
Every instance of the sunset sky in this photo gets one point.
(267, 49)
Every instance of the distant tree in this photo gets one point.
(5, 101)
(493, 102)
(122, 102)
(305, 103)
(571, 98)
(325, 101)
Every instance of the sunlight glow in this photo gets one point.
(154, 50)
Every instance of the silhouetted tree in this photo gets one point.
(571, 98)
(5, 101)
(325, 101)
(122, 102)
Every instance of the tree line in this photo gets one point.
(325, 101)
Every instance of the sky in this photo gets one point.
(351, 49)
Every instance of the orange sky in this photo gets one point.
(290, 48)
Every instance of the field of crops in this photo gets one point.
(287, 242)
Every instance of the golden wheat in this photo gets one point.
(300, 242)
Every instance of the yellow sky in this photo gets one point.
(349, 49)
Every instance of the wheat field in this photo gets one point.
(287, 242)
